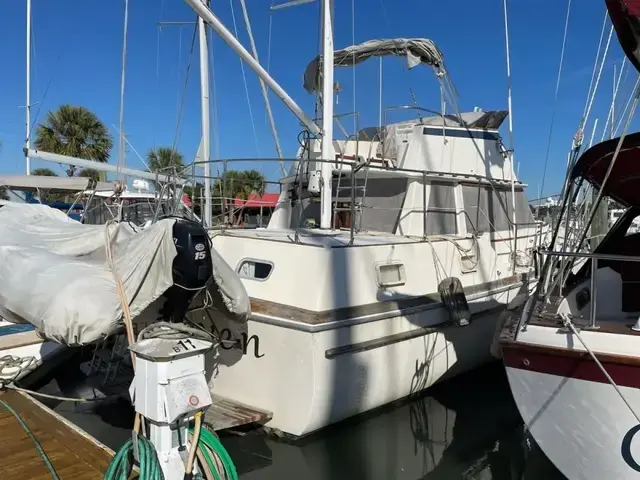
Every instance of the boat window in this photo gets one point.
(441, 210)
(390, 274)
(378, 204)
(489, 209)
(254, 269)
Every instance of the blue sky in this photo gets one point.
(77, 60)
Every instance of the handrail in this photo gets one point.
(595, 258)
(356, 199)
(599, 256)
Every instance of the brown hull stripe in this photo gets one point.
(624, 370)
(424, 301)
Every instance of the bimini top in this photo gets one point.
(625, 17)
(417, 51)
(623, 184)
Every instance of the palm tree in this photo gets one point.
(43, 172)
(161, 159)
(91, 173)
(44, 194)
(239, 184)
(76, 132)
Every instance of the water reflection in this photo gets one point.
(467, 428)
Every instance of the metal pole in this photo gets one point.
(263, 87)
(424, 205)
(594, 273)
(121, 143)
(327, 151)
(206, 131)
(513, 179)
(101, 167)
(28, 92)
(208, 16)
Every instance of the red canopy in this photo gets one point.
(257, 201)
(625, 19)
(623, 184)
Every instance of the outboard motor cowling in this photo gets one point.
(192, 268)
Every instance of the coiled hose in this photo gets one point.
(217, 464)
(121, 466)
(216, 456)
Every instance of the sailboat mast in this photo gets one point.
(28, 92)
(327, 151)
(206, 133)
(121, 139)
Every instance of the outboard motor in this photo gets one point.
(192, 268)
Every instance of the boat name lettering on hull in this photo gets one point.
(625, 448)
(245, 342)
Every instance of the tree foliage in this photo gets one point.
(76, 132)
(91, 173)
(240, 184)
(43, 172)
(161, 159)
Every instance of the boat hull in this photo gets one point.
(309, 380)
(574, 413)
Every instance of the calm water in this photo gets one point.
(466, 428)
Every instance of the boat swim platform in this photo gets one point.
(225, 413)
(74, 454)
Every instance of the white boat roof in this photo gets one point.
(126, 194)
(36, 182)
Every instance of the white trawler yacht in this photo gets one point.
(573, 356)
(348, 316)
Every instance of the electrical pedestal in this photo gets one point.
(168, 389)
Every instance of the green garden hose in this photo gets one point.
(120, 467)
(209, 441)
(208, 444)
(33, 439)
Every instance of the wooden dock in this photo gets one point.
(74, 454)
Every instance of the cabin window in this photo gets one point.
(390, 275)
(255, 269)
(489, 210)
(441, 210)
(378, 204)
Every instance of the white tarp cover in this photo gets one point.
(54, 275)
(416, 50)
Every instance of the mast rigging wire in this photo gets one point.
(595, 87)
(613, 102)
(244, 79)
(555, 100)
(595, 62)
(263, 87)
(184, 88)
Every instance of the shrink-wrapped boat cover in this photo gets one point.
(54, 273)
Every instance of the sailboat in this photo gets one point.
(572, 355)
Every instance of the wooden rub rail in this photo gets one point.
(73, 453)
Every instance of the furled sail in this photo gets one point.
(416, 50)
